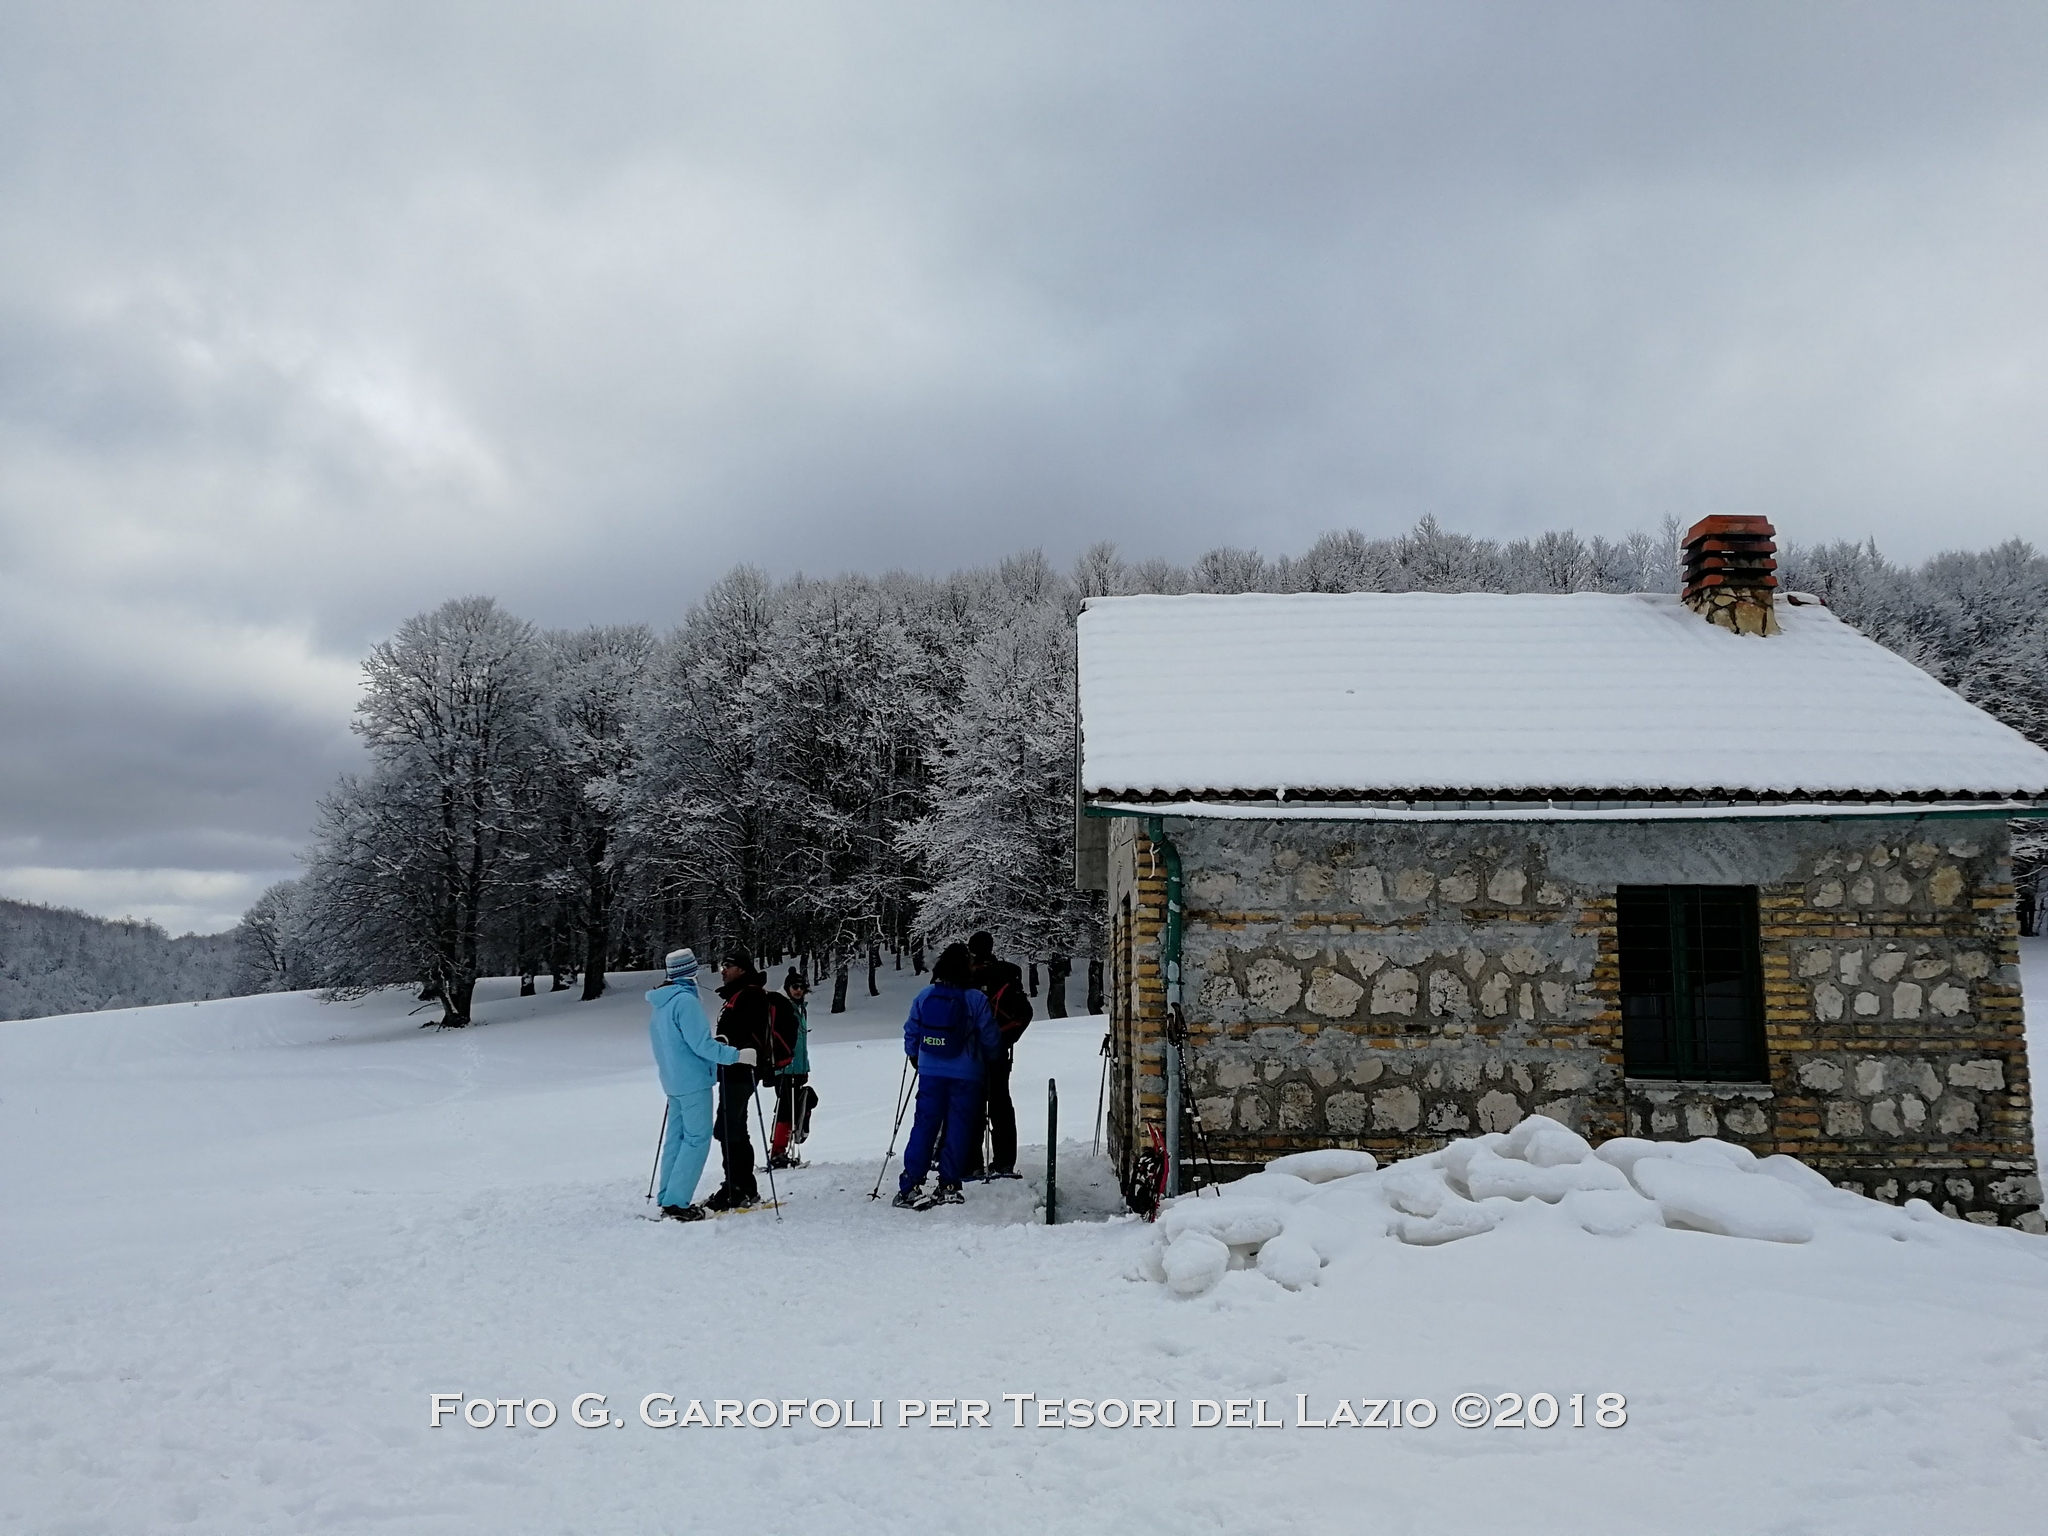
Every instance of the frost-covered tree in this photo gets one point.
(841, 714)
(699, 806)
(595, 682)
(1098, 573)
(998, 845)
(271, 954)
(409, 857)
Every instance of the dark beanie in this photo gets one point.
(954, 967)
(795, 978)
(739, 956)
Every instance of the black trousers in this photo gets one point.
(729, 1125)
(1001, 1115)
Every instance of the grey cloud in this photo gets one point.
(111, 777)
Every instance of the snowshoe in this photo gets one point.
(749, 1209)
(948, 1194)
(684, 1212)
(909, 1199)
(1004, 1173)
(732, 1200)
(783, 1160)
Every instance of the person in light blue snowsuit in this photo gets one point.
(951, 1034)
(688, 1056)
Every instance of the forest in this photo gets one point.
(55, 960)
(842, 771)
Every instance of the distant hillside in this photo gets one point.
(54, 960)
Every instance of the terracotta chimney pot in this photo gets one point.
(1729, 577)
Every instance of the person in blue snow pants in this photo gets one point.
(685, 1148)
(688, 1057)
(951, 1034)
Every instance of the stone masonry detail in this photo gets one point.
(1392, 986)
(1389, 991)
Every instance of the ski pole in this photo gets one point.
(902, 1100)
(773, 1198)
(1101, 1093)
(1052, 1150)
(660, 1136)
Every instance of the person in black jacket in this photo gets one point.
(1003, 985)
(743, 1023)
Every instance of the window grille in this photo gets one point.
(1691, 983)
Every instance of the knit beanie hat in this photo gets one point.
(682, 967)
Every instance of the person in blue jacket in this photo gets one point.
(688, 1056)
(951, 1034)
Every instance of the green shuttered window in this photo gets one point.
(1692, 1004)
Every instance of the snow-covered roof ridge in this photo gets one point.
(1585, 696)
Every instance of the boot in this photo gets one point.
(684, 1212)
(948, 1194)
(909, 1199)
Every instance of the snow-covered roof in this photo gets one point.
(1588, 698)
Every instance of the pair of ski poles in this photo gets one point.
(906, 1089)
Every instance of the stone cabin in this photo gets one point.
(1385, 869)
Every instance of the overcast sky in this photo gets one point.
(314, 315)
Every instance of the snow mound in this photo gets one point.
(1303, 1212)
(1324, 1164)
(1724, 1201)
(1242, 1221)
(1193, 1262)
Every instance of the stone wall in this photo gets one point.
(1136, 993)
(1391, 986)
(1891, 969)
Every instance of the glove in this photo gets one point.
(748, 1056)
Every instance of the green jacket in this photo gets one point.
(800, 1059)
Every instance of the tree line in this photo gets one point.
(56, 960)
(842, 771)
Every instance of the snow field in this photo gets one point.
(245, 1241)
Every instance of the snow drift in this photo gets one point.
(1303, 1213)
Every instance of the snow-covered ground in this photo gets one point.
(245, 1241)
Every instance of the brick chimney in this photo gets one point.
(1728, 568)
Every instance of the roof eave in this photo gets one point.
(1566, 808)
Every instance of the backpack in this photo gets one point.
(782, 1028)
(1012, 1010)
(953, 1038)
